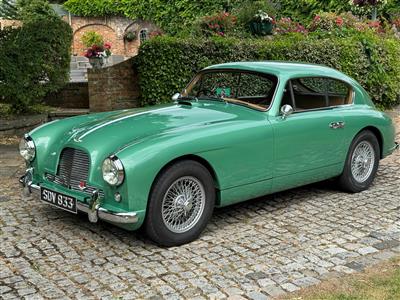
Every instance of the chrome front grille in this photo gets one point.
(73, 168)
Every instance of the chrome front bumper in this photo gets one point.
(94, 212)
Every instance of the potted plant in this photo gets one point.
(97, 53)
(130, 36)
(261, 24)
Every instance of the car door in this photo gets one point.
(308, 144)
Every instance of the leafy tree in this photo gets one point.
(35, 57)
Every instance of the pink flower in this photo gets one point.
(107, 45)
(339, 21)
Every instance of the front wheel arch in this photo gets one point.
(195, 158)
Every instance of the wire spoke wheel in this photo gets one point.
(362, 161)
(183, 204)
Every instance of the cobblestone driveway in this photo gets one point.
(257, 250)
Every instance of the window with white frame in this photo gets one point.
(143, 35)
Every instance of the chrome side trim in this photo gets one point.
(96, 213)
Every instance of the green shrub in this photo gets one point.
(166, 64)
(302, 10)
(91, 38)
(218, 24)
(287, 25)
(34, 58)
(248, 9)
(392, 10)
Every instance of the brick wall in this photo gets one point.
(113, 88)
(73, 95)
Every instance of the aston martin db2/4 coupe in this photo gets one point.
(238, 131)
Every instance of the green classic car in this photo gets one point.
(238, 131)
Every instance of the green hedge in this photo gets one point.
(166, 64)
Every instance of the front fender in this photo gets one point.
(144, 159)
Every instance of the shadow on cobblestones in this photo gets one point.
(258, 249)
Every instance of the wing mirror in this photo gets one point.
(176, 96)
(286, 110)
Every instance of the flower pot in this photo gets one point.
(261, 28)
(96, 62)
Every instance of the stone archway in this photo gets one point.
(107, 32)
(132, 47)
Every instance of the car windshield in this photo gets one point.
(251, 89)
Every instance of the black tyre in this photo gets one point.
(361, 163)
(181, 204)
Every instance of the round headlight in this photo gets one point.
(113, 171)
(27, 148)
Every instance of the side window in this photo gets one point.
(310, 93)
(339, 93)
(313, 85)
(317, 92)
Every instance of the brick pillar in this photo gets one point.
(113, 88)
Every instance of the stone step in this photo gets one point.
(83, 65)
(78, 71)
(78, 79)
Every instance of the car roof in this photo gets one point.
(279, 68)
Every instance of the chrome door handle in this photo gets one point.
(337, 125)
